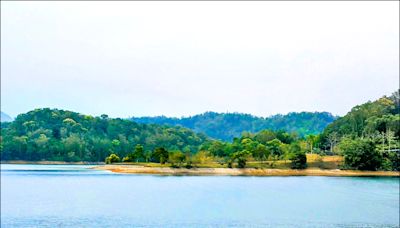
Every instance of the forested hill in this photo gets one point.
(52, 134)
(226, 126)
(371, 119)
(368, 135)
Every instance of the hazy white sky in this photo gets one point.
(184, 58)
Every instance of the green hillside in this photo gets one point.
(52, 134)
(367, 136)
(226, 126)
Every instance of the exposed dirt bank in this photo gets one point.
(132, 169)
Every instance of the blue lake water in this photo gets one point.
(75, 196)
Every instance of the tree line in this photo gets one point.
(260, 147)
(367, 138)
(52, 134)
(226, 126)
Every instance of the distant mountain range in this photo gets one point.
(226, 126)
(5, 118)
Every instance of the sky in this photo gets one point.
(184, 58)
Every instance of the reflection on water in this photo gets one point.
(76, 196)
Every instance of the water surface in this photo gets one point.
(75, 196)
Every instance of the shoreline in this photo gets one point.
(164, 171)
(169, 171)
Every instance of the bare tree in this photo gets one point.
(381, 136)
(333, 139)
(390, 138)
(311, 141)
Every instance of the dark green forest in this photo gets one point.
(367, 137)
(226, 126)
(53, 134)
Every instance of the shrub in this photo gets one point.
(360, 154)
(127, 159)
(112, 158)
(176, 159)
(299, 160)
(241, 158)
(298, 156)
(160, 155)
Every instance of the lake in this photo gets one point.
(75, 196)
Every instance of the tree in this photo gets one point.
(360, 153)
(332, 139)
(264, 136)
(275, 147)
(241, 158)
(390, 138)
(176, 158)
(115, 144)
(227, 126)
(42, 145)
(284, 137)
(202, 157)
(74, 143)
(30, 125)
(217, 149)
(70, 136)
(261, 152)
(160, 155)
(138, 153)
(297, 156)
(381, 136)
(112, 159)
(311, 139)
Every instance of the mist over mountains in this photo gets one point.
(5, 117)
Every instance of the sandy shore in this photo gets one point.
(132, 169)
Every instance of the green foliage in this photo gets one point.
(112, 159)
(241, 157)
(226, 126)
(297, 156)
(160, 155)
(137, 155)
(368, 135)
(176, 159)
(52, 134)
(261, 152)
(366, 119)
(202, 157)
(275, 147)
(392, 161)
(360, 154)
